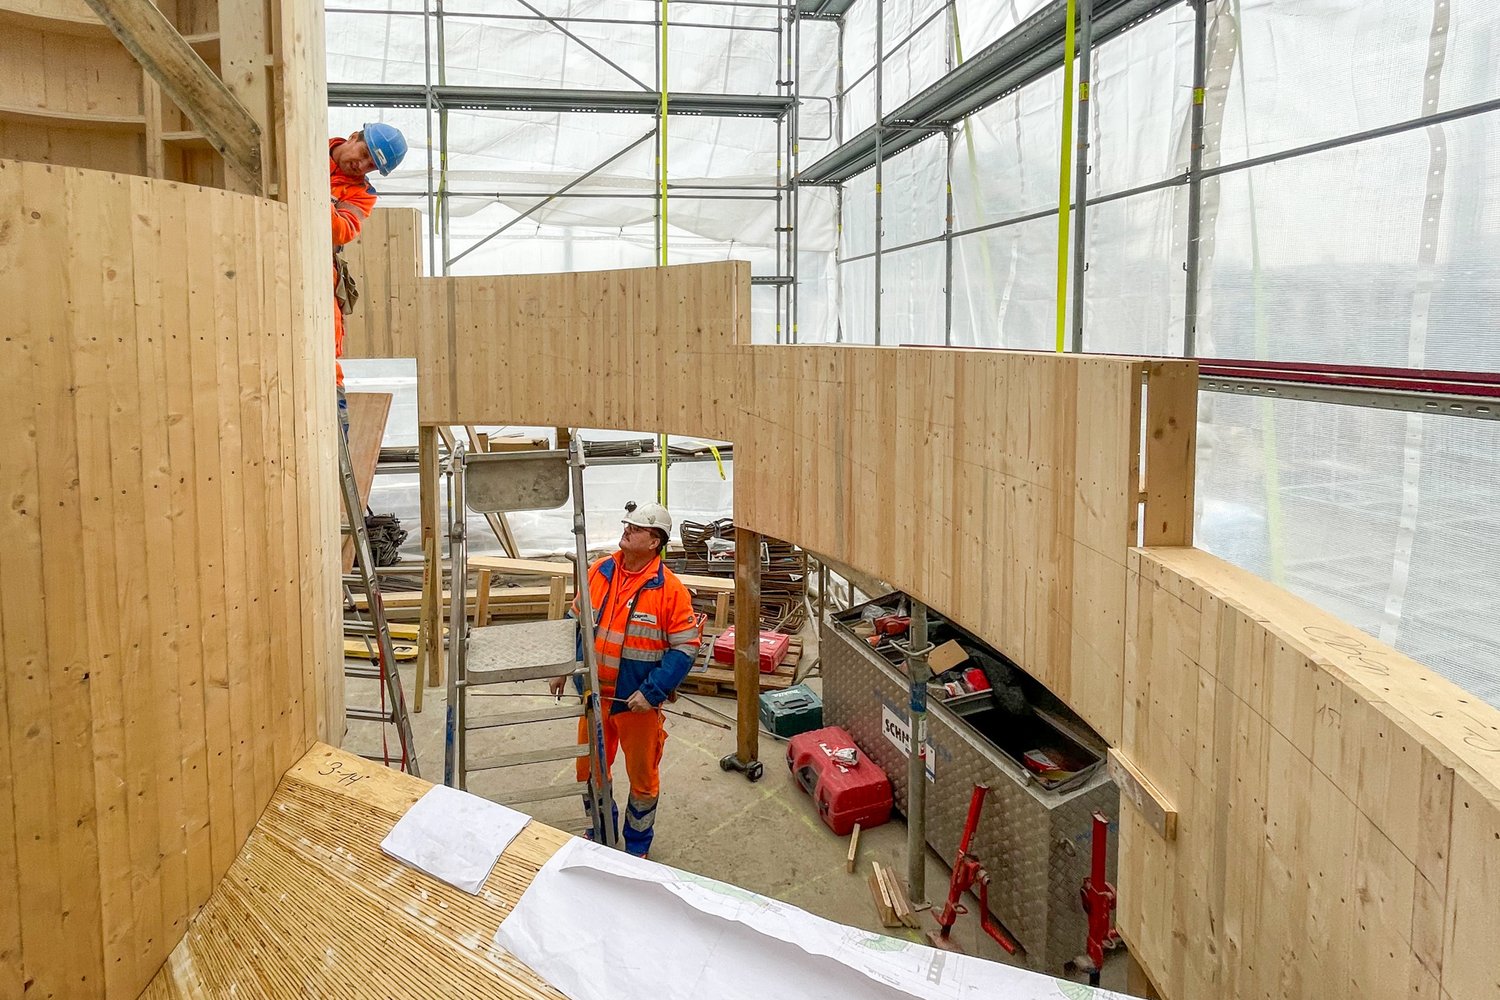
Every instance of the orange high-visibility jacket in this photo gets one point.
(646, 632)
(353, 199)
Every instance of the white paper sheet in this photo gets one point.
(454, 836)
(598, 925)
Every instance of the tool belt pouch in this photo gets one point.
(345, 291)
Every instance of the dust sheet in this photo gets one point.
(598, 924)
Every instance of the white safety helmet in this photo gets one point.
(649, 515)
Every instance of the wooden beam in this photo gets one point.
(1171, 446)
(747, 642)
(197, 90)
(1158, 813)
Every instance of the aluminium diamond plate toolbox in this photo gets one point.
(1033, 840)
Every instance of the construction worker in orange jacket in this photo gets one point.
(377, 146)
(645, 637)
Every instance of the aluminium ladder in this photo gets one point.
(376, 631)
(496, 655)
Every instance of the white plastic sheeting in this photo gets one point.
(1377, 253)
(501, 165)
(1382, 252)
(1323, 500)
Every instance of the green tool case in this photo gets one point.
(794, 710)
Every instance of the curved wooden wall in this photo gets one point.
(1000, 487)
(168, 579)
(163, 544)
(1339, 831)
(1339, 805)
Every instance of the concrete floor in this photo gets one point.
(764, 836)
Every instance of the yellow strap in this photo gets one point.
(1065, 179)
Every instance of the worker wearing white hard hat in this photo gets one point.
(645, 635)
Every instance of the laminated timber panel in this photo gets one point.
(385, 261)
(334, 916)
(644, 348)
(1001, 488)
(165, 629)
(1339, 804)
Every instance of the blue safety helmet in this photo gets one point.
(387, 145)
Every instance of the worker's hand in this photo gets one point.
(637, 702)
(556, 686)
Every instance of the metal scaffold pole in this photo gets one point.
(879, 144)
(919, 673)
(1195, 179)
(1080, 221)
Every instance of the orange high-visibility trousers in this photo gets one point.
(643, 737)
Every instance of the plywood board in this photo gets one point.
(341, 917)
(368, 413)
(386, 263)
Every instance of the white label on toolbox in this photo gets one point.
(899, 733)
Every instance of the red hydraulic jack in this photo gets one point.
(968, 872)
(1098, 898)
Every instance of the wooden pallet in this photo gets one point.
(711, 678)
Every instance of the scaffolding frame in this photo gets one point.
(437, 98)
(1019, 57)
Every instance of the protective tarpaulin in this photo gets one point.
(1379, 252)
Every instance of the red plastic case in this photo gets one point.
(844, 794)
(773, 647)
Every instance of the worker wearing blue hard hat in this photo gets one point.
(377, 146)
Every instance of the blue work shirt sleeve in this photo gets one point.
(665, 677)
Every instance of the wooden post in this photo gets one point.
(482, 600)
(747, 641)
(432, 573)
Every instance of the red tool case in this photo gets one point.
(773, 647)
(844, 794)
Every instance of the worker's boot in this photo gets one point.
(640, 818)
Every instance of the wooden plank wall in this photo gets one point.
(167, 589)
(1339, 830)
(934, 469)
(999, 487)
(386, 263)
(71, 94)
(646, 348)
